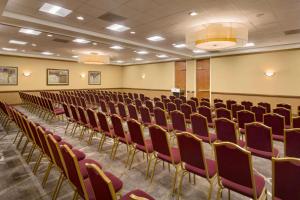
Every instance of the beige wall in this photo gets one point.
(156, 76)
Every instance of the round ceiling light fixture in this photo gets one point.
(218, 36)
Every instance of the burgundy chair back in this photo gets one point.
(223, 113)
(205, 103)
(226, 130)
(199, 125)
(135, 131)
(267, 106)
(286, 178)
(135, 95)
(205, 99)
(183, 98)
(82, 114)
(56, 153)
(92, 118)
(296, 122)
(103, 122)
(235, 108)
(130, 95)
(75, 113)
(159, 104)
(128, 101)
(178, 121)
(67, 111)
(206, 112)
(229, 103)
(163, 97)
(292, 143)
(196, 100)
(118, 127)
(186, 109)
(178, 103)
(132, 112)
(244, 117)
(192, 103)
(286, 113)
(120, 98)
(149, 105)
(171, 107)
(276, 122)
(166, 101)
(172, 98)
(112, 108)
(155, 99)
(259, 112)
(160, 140)
(160, 117)
(138, 104)
(114, 98)
(247, 105)
(220, 105)
(122, 110)
(145, 115)
(218, 101)
(142, 97)
(283, 105)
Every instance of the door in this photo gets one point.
(203, 78)
(180, 75)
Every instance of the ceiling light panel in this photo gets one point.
(139, 59)
(47, 53)
(55, 10)
(81, 41)
(156, 38)
(162, 56)
(8, 49)
(118, 28)
(181, 45)
(17, 42)
(29, 31)
(116, 47)
(142, 52)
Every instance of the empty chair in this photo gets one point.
(204, 103)
(112, 108)
(186, 109)
(122, 111)
(285, 178)
(165, 101)
(220, 105)
(267, 106)
(200, 128)
(138, 104)
(193, 159)
(163, 97)
(206, 112)
(296, 122)
(276, 122)
(259, 140)
(284, 105)
(163, 151)
(142, 97)
(259, 112)
(145, 116)
(235, 108)
(286, 113)
(160, 117)
(172, 98)
(292, 143)
(69, 116)
(226, 131)
(193, 104)
(178, 121)
(229, 103)
(103, 107)
(196, 100)
(183, 98)
(247, 105)
(178, 103)
(223, 113)
(218, 101)
(120, 98)
(149, 105)
(244, 117)
(105, 129)
(171, 107)
(205, 99)
(128, 101)
(155, 99)
(235, 172)
(159, 104)
(133, 113)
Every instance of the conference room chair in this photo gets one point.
(218, 101)
(259, 140)
(146, 116)
(206, 112)
(133, 113)
(171, 107)
(192, 103)
(220, 105)
(94, 125)
(163, 151)
(106, 130)
(286, 113)
(200, 128)
(205, 99)
(121, 98)
(138, 103)
(76, 117)
(160, 117)
(285, 178)
(234, 109)
(104, 188)
(244, 117)
(235, 172)
(103, 107)
(135, 96)
(128, 101)
(183, 98)
(226, 131)
(142, 97)
(284, 105)
(194, 161)
(178, 122)
(172, 98)
(296, 122)
(149, 105)
(112, 108)
(166, 101)
(204, 103)
(68, 115)
(223, 113)
(186, 109)
(159, 104)
(266, 105)
(292, 143)
(196, 100)
(122, 111)
(178, 103)
(247, 105)
(276, 122)
(130, 95)
(85, 122)
(259, 112)
(162, 97)
(114, 98)
(229, 103)
(139, 142)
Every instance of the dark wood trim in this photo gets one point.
(258, 95)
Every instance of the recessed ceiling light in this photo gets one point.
(9, 49)
(34, 45)
(193, 13)
(17, 42)
(249, 44)
(23, 50)
(119, 61)
(132, 32)
(95, 43)
(50, 35)
(181, 45)
(75, 56)
(116, 47)
(199, 51)
(57, 54)
(139, 59)
(80, 18)
(47, 53)
(55, 10)
(81, 41)
(118, 28)
(155, 38)
(142, 52)
(29, 31)
(161, 56)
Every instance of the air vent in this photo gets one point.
(111, 17)
(292, 32)
(61, 40)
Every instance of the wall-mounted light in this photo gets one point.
(27, 74)
(269, 73)
(143, 76)
(82, 75)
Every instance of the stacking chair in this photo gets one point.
(162, 97)
(223, 113)
(112, 108)
(218, 101)
(220, 105)
(206, 112)
(286, 113)
(244, 117)
(103, 107)
(276, 122)
(296, 122)
(235, 172)
(172, 98)
(171, 107)
(178, 103)
(285, 178)
(183, 98)
(146, 116)
(104, 189)
(226, 131)
(76, 117)
(267, 106)
(84, 119)
(138, 142)
(193, 104)
(178, 122)
(138, 104)
(200, 128)
(187, 111)
(204, 103)
(105, 129)
(259, 112)
(128, 101)
(163, 151)
(193, 160)
(247, 105)
(196, 100)
(234, 109)
(69, 116)
(155, 99)
(283, 105)
(94, 126)
(122, 111)
(133, 113)
(160, 117)
(159, 104)
(292, 143)
(149, 105)
(259, 140)
(229, 103)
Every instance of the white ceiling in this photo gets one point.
(267, 21)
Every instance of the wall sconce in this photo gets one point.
(27, 74)
(143, 76)
(269, 73)
(82, 75)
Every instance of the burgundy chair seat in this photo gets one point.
(241, 143)
(79, 154)
(169, 127)
(211, 168)
(242, 131)
(126, 140)
(264, 154)
(59, 111)
(63, 142)
(117, 183)
(278, 137)
(287, 126)
(211, 125)
(138, 193)
(57, 137)
(213, 137)
(259, 183)
(190, 130)
(148, 146)
(175, 153)
(83, 169)
(148, 123)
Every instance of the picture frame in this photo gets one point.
(8, 75)
(57, 76)
(94, 78)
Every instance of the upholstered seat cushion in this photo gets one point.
(175, 153)
(241, 143)
(169, 127)
(79, 154)
(59, 111)
(211, 168)
(264, 154)
(117, 183)
(211, 125)
(83, 169)
(242, 130)
(57, 138)
(148, 146)
(213, 137)
(259, 182)
(138, 193)
(65, 143)
(278, 137)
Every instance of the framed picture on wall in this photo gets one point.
(57, 77)
(8, 75)
(94, 78)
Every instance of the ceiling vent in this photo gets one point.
(61, 40)
(111, 17)
(292, 32)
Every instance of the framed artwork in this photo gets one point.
(57, 77)
(8, 75)
(94, 78)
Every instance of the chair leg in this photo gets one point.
(47, 174)
(24, 148)
(219, 193)
(68, 124)
(210, 189)
(92, 133)
(75, 196)
(101, 142)
(132, 157)
(20, 140)
(16, 136)
(229, 195)
(58, 186)
(30, 153)
(153, 170)
(37, 164)
(180, 183)
(175, 178)
(116, 148)
(149, 165)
